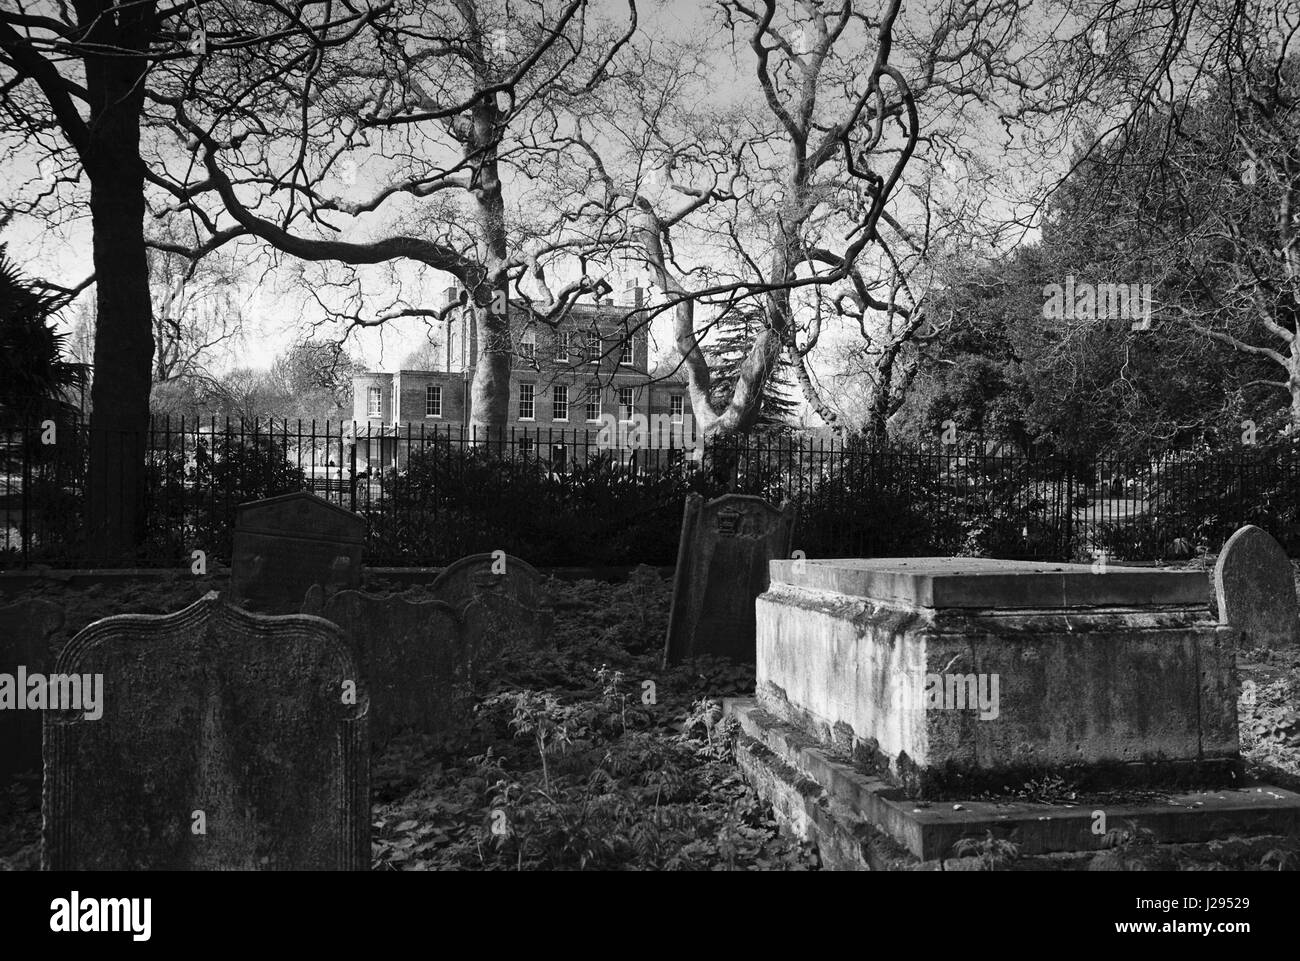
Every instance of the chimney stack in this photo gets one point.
(634, 294)
(451, 295)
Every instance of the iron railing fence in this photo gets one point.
(430, 494)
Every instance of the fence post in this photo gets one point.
(1241, 492)
(1069, 508)
(26, 526)
(352, 468)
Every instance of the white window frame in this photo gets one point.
(587, 403)
(560, 398)
(433, 398)
(595, 347)
(631, 408)
(531, 400)
(562, 347)
(676, 407)
(625, 353)
(374, 402)
(528, 345)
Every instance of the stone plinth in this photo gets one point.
(952, 676)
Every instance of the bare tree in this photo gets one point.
(1194, 178)
(1233, 160)
(821, 195)
(76, 86)
(196, 312)
(455, 114)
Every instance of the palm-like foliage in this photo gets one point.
(33, 374)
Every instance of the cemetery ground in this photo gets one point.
(587, 754)
(565, 764)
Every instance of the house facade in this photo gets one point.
(566, 383)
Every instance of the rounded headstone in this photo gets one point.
(1255, 587)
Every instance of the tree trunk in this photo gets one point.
(124, 335)
(1293, 381)
(877, 426)
(490, 391)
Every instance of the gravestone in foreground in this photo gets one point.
(502, 602)
(1255, 588)
(25, 631)
(228, 740)
(412, 655)
(722, 567)
(283, 545)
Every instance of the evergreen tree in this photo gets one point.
(726, 350)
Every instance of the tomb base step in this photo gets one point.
(860, 822)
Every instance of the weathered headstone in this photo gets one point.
(25, 632)
(502, 602)
(228, 740)
(1255, 587)
(722, 567)
(412, 655)
(284, 545)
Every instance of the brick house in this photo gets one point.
(563, 382)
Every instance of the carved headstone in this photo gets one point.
(228, 740)
(502, 602)
(26, 629)
(1255, 586)
(722, 567)
(412, 655)
(284, 545)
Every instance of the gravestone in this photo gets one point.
(284, 545)
(412, 655)
(502, 602)
(228, 741)
(1255, 587)
(26, 629)
(722, 567)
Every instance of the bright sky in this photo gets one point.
(277, 311)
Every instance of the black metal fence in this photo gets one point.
(577, 497)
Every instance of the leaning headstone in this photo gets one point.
(226, 741)
(25, 632)
(1255, 587)
(502, 602)
(412, 656)
(284, 545)
(722, 567)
